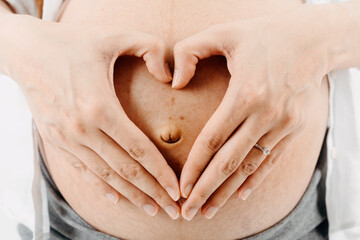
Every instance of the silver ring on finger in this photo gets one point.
(265, 150)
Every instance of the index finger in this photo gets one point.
(189, 51)
(228, 116)
(133, 43)
(125, 133)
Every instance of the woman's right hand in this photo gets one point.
(66, 74)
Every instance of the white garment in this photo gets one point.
(343, 144)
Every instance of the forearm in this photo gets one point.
(350, 14)
(19, 40)
(4, 10)
(343, 33)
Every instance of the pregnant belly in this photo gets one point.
(160, 112)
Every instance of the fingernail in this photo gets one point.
(210, 212)
(171, 211)
(174, 195)
(246, 194)
(187, 190)
(176, 78)
(167, 70)
(150, 209)
(112, 198)
(190, 213)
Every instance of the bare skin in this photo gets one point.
(347, 55)
(276, 64)
(159, 111)
(86, 131)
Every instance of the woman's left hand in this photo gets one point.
(275, 63)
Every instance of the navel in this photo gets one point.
(170, 133)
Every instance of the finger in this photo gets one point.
(253, 181)
(227, 117)
(102, 188)
(240, 156)
(138, 146)
(224, 164)
(109, 176)
(189, 51)
(284, 132)
(146, 46)
(227, 189)
(134, 173)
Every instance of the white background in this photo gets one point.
(15, 160)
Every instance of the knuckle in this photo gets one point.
(247, 98)
(248, 167)
(273, 159)
(159, 45)
(227, 47)
(136, 151)
(252, 95)
(235, 118)
(96, 111)
(201, 196)
(197, 169)
(221, 197)
(270, 113)
(105, 174)
(78, 128)
(161, 175)
(102, 147)
(230, 166)
(266, 118)
(78, 166)
(241, 101)
(93, 111)
(179, 48)
(213, 143)
(250, 139)
(158, 197)
(293, 119)
(54, 135)
(129, 171)
(289, 119)
(155, 46)
(255, 180)
(136, 197)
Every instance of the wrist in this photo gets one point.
(347, 15)
(339, 33)
(307, 33)
(4, 33)
(17, 39)
(325, 34)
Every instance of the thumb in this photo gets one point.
(148, 47)
(189, 51)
